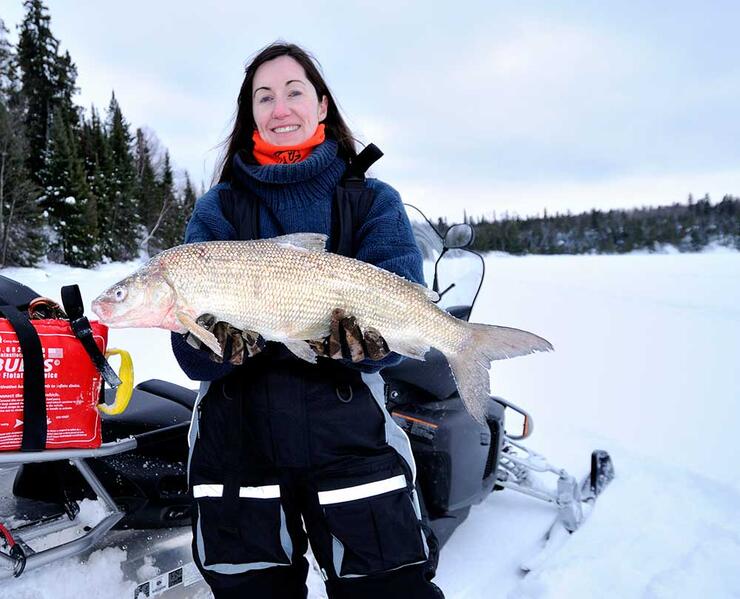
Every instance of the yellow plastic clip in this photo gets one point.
(126, 388)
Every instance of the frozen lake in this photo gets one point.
(645, 366)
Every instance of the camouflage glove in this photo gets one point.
(347, 341)
(233, 341)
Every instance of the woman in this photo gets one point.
(282, 451)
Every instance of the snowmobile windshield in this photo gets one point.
(427, 238)
(459, 272)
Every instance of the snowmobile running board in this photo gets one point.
(21, 557)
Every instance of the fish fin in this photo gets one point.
(499, 343)
(431, 295)
(302, 350)
(411, 349)
(481, 345)
(305, 241)
(204, 335)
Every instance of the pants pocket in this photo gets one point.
(374, 527)
(256, 538)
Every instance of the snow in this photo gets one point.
(645, 367)
(99, 577)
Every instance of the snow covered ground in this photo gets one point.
(646, 366)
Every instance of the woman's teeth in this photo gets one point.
(287, 129)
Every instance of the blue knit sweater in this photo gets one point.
(298, 198)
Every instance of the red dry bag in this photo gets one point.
(51, 377)
(71, 384)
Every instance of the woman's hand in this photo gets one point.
(233, 341)
(347, 341)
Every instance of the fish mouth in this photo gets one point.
(103, 311)
(110, 317)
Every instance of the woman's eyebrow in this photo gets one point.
(264, 87)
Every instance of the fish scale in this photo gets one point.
(286, 288)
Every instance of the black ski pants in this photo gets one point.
(286, 454)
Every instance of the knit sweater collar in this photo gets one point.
(306, 182)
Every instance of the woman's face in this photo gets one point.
(285, 106)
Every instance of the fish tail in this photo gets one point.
(480, 345)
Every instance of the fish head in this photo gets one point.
(143, 299)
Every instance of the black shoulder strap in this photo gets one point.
(369, 155)
(34, 396)
(241, 209)
(352, 202)
(74, 308)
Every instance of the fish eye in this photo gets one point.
(119, 294)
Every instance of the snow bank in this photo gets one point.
(100, 577)
(660, 532)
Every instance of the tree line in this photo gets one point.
(76, 187)
(688, 227)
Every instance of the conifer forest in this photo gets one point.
(689, 227)
(79, 186)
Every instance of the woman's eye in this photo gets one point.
(295, 92)
(265, 99)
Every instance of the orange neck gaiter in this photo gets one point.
(266, 153)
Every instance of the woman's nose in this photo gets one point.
(280, 110)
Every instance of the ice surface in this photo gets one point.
(645, 366)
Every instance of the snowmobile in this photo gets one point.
(139, 473)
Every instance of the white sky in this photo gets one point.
(483, 106)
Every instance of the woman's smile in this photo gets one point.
(286, 129)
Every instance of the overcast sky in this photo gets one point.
(485, 106)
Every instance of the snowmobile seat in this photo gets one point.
(171, 391)
(154, 404)
(433, 375)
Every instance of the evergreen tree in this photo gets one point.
(96, 157)
(21, 219)
(147, 189)
(48, 83)
(71, 207)
(120, 221)
(189, 198)
(165, 229)
(171, 230)
(8, 67)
